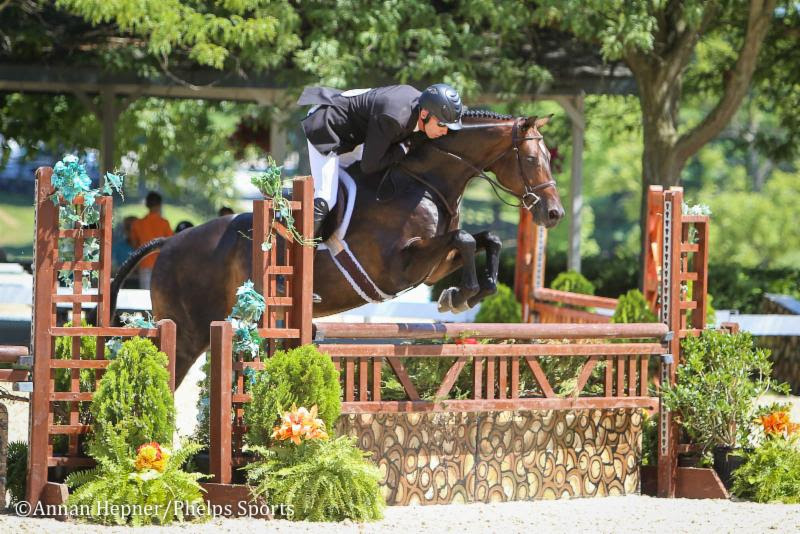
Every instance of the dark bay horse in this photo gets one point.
(403, 240)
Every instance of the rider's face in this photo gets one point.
(431, 127)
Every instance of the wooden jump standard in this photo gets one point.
(47, 404)
(551, 306)
(675, 260)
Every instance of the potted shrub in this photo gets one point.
(718, 382)
(771, 472)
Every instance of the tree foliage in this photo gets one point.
(693, 63)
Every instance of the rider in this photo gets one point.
(372, 126)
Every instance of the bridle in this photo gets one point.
(529, 198)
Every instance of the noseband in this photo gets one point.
(529, 198)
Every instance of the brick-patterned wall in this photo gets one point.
(438, 458)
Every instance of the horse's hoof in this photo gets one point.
(446, 300)
(461, 309)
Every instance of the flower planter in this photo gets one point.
(201, 461)
(689, 459)
(726, 461)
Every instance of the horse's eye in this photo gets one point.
(532, 159)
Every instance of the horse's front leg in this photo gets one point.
(491, 243)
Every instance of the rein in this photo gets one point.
(530, 190)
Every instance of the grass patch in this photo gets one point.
(17, 221)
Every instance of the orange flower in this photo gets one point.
(466, 341)
(779, 423)
(299, 424)
(151, 456)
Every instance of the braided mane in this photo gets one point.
(485, 114)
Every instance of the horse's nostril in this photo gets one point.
(554, 215)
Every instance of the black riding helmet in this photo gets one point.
(442, 101)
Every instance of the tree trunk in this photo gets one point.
(658, 76)
(658, 98)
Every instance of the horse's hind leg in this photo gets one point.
(455, 299)
(487, 282)
(491, 243)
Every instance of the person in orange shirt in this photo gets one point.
(146, 229)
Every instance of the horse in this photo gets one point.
(402, 240)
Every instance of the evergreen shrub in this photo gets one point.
(17, 471)
(303, 377)
(573, 282)
(771, 473)
(134, 394)
(502, 307)
(633, 308)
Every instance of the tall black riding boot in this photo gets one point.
(320, 212)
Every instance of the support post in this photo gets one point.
(45, 248)
(303, 258)
(671, 316)
(531, 256)
(166, 344)
(220, 431)
(652, 254)
(278, 139)
(574, 108)
(107, 119)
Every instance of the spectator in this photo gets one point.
(146, 229)
(183, 225)
(224, 210)
(121, 244)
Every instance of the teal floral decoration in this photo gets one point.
(113, 182)
(129, 320)
(249, 304)
(244, 318)
(70, 180)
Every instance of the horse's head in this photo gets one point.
(525, 171)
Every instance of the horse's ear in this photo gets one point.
(538, 123)
(529, 123)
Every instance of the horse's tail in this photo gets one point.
(128, 265)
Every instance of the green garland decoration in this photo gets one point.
(271, 186)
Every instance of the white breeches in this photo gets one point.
(325, 171)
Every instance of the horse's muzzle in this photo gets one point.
(546, 212)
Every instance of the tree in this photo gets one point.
(659, 42)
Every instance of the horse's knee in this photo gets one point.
(463, 238)
(493, 242)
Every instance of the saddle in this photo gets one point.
(338, 219)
